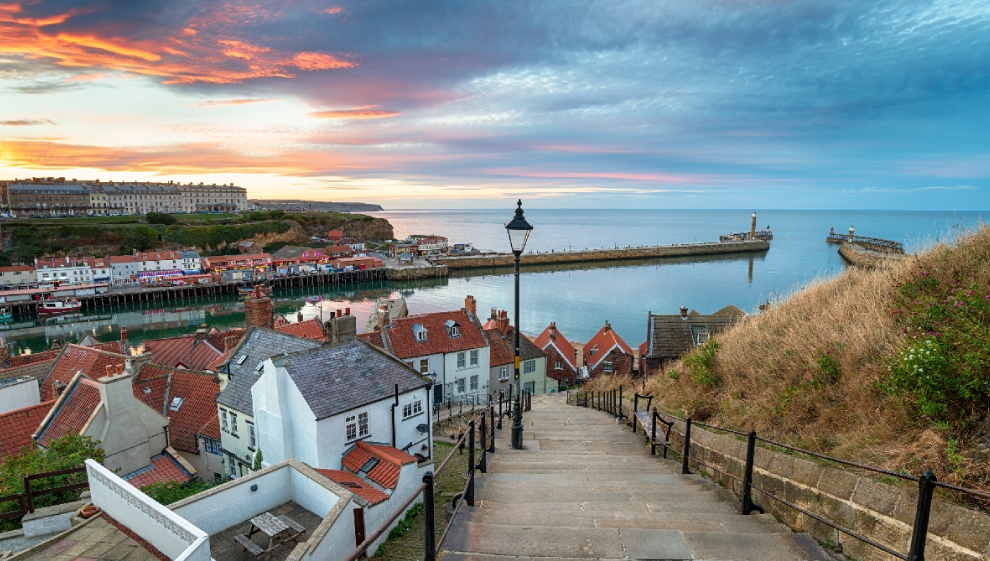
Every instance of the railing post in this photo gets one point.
(27, 494)
(636, 413)
(483, 464)
(470, 485)
(685, 468)
(621, 416)
(500, 409)
(747, 498)
(926, 486)
(429, 532)
(653, 435)
(491, 445)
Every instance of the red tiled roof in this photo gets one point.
(159, 387)
(22, 360)
(220, 360)
(73, 408)
(211, 428)
(163, 467)
(186, 350)
(73, 358)
(642, 348)
(310, 329)
(355, 484)
(16, 268)
(403, 341)
(603, 342)
(390, 462)
(564, 347)
(374, 337)
(17, 426)
(218, 338)
(121, 259)
(119, 347)
(501, 351)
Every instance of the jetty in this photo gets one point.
(876, 244)
(866, 252)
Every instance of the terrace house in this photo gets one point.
(606, 353)
(532, 361)
(561, 355)
(672, 335)
(18, 276)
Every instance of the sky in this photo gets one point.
(805, 104)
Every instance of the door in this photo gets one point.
(437, 393)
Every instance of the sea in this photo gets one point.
(579, 298)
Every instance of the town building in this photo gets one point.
(335, 235)
(672, 335)
(185, 351)
(100, 270)
(19, 392)
(239, 369)
(212, 198)
(430, 245)
(54, 198)
(532, 361)
(313, 405)
(18, 277)
(162, 263)
(561, 355)
(606, 353)
(64, 271)
(449, 347)
(132, 198)
(124, 269)
(238, 267)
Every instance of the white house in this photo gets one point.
(316, 405)
(123, 269)
(17, 393)
(162, 263)
(449, 347)
(63, 270)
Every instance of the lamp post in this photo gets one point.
(518, 230)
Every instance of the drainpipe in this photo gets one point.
(394, 405)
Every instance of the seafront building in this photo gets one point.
(56, 196)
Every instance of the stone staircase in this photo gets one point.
(585, 487)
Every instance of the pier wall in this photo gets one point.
(867, 258)
(415, 273)
(645, 252)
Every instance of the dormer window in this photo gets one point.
(420, 332)
(176, 403)
(453, 329)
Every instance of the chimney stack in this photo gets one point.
(383, 318)
(684, 312)
(343, 329)
(125, 440)
(299, 316)
(471, 305)
(123, 333)
(259, 310)
(202, 333)
(752, 230)
(553, 330)
(229, 342)
(608, 326)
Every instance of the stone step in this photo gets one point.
(686, 522)
(707, 504)
(628, 543)
(536, 495)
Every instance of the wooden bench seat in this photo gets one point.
(645, 419)
(297, 527)
(249, 545)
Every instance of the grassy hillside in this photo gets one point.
(890, 367)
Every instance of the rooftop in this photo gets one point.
(101, 537)
(671, 335)
(401, 334)
(163, 467)
(378, 462)
(186, 397)
(191, 351)
(74, 358)
(17, 426)
(310, 329)
(602, 343)
(552, 336)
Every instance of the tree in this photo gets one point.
(258, 458)
(159, 218)
(139, 238)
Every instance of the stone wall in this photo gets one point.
(647, 252)
(883, 512)
(867, 258)
(413, 273)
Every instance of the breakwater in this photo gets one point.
(415, 273)
(866, 257)
(612, 254)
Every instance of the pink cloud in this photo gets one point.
(360, 113)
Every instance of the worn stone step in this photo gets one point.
(707, 504)
(706, 522)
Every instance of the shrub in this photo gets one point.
(168, 492)
(159, 218)
(701, 363)
(139, 238)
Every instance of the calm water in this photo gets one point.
(578, 300)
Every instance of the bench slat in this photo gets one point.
(248, 544)
(292, 523)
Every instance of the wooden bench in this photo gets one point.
(249, 545)
(645, 419)
(297, 527)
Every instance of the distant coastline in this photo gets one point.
(315, 206)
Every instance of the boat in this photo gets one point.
(5, 314)
(49, 307)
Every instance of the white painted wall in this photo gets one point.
(164, 529)
(285, 425)
(21, 394)
(452, 373)
(215, 512)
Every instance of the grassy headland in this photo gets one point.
(890, 367)
(210, 234)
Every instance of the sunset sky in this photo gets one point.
(459, 104)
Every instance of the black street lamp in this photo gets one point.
(519, 231)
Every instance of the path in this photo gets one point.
(587, 488)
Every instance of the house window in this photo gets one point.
(410, 365)
(503, 373)
(607, 366)
(529, 387)
(558, 365)
(424, 366)
(529, 366)
(252, 441)
(223, 420)
(363, 429)
(412, 409)
(460, 385)
(212, 446)
(474, 358)
(233, 424)
(460, 360)
(474, 383)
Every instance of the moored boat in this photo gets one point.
(5, 314)
(49, 307)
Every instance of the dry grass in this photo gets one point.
(771, 376)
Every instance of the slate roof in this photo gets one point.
(163, 467)
(310, 329)
(73, 358)
(187, 350)
(71, 412)
(670, 335)
(336, 379)
(386, 471)
(402, 341)
(552, 336)
(17, 426)
(159, 386)
(355, 484)
(256, 346)
(602, 343)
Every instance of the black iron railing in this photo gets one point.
(484, 427)
(878, 244)
(927, 482)
(26, 499)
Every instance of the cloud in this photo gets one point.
(225, 102)
(26, 122)
(913, 189)
(356, 114)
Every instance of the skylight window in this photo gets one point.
(241, 359)
(176, 403)
(369, 465)
(260, 366)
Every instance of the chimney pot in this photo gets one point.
(123, 333)
(347, 311)
(684, 312)
(109, 370)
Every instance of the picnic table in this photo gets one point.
(279, 529)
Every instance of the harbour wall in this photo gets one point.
(415, 273)
(643, 252)
(867, 258)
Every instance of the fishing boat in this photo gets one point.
(5, 314)
(244, 290)
(50, 307)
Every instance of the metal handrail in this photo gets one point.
(837, 460)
